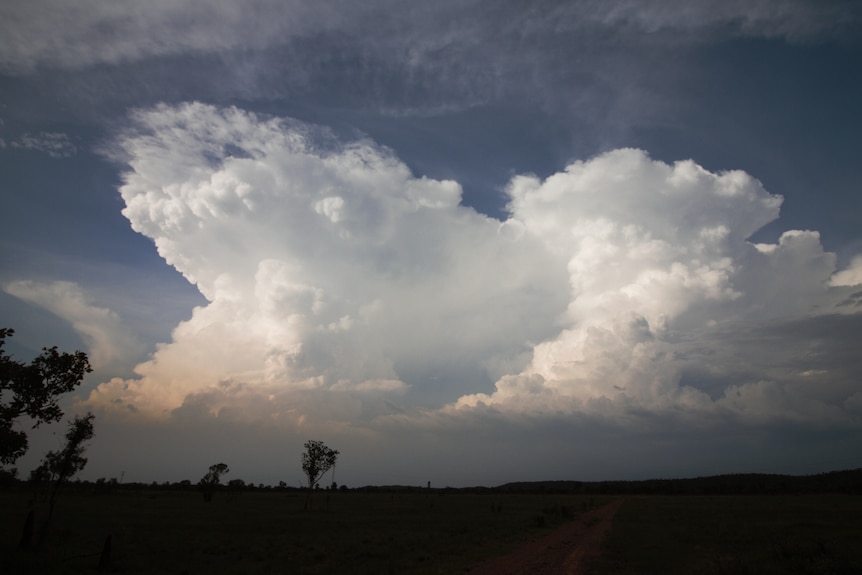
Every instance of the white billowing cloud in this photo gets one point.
(330, 269)
(110, 345)
(851, 276)
(661, 274)
(345, 289)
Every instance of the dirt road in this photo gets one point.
(560, 552)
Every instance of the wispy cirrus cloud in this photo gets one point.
(55, 144)
(52, 33)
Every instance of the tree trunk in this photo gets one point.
(27, 533)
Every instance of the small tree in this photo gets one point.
(317, 460)
(212, 480)
(59, 467)
(32, 389)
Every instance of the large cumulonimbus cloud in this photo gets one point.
(343, 288)
(330, 271)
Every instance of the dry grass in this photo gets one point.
(816, 534)
(268, 532)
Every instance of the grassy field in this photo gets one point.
(427, 532)
(817, 534)
(268, 531)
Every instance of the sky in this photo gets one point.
(465, 242)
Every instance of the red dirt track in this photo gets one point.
(564, 551)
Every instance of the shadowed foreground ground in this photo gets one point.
(416, 532)
(427, 532)
(564, 551)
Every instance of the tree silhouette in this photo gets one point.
(33, 389)
(317, 460)
(59, 467)
(212, 480)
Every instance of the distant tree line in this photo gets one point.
(847, 481)
(840, 482)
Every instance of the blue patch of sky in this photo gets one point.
(784, 113)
